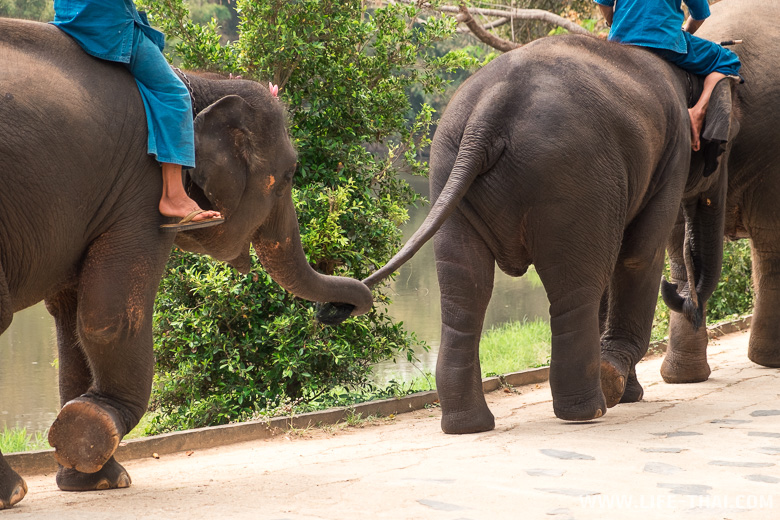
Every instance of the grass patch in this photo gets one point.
(15, 440)
(515, 346)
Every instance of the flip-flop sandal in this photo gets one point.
(186, 224)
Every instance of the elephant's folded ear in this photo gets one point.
(223, 150)
(719, 125)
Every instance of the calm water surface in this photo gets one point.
(415, 300)
(28, 380)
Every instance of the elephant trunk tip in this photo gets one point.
(333, 314)
(359, 301)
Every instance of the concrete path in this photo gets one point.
(704, 451)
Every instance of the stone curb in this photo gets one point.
(42, 462)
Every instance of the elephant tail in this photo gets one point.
(476, 153)
(688, 307)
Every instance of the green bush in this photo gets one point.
(734, 295)
(40, 10)
(229, 346)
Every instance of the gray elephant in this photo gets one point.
(79, 227)
(572, 154)
(753, 190)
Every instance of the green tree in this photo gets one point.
(41, 10)
(230, 345)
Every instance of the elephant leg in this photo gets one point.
(685, 360)
(633, 294)
(603, 311)
(465, 268)
(764, 347)
(75, 378)
(634, 391)
(575, 285)
(12, 486)
(686, 354)
(113, 323)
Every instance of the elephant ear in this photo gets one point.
(719, 125)
(223, 143)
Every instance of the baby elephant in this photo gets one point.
(572, 154)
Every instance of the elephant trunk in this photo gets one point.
(703, 253)
(278, 247)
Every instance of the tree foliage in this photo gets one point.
(41, 10)
(230, 345)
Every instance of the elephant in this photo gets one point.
(80, 227)
(572, 154)
(752, 191)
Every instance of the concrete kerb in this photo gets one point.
(42, 462)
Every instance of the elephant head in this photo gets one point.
(245, 165)
(704, 208)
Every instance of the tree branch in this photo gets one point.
(491, 25)
(464, 15)
(487, 37)
(523, 14)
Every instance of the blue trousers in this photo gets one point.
(704, 57)
(166, 101)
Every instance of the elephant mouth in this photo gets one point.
(243, 262)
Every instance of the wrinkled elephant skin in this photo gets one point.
(572, 154)
(753, 190)
(79, 227)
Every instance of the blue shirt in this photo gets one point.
(653, 23)
(104, 28)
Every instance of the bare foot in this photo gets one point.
(183, 206)
(697, 121)
(174, 201)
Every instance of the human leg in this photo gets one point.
(699, 110)
(169, 117)
(704, 58)
(174, 201)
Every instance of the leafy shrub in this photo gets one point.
(230, 345)
(734, 295)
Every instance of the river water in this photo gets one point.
(415, 300)
(28, 378)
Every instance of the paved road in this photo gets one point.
(705, 451)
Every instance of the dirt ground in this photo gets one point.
(703, 451)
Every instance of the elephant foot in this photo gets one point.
(634, 391)
(111, 476)
(613, 381)
(676, 371)
(473, 421)
(84, 435)
(763, 353)
(12, 487)
(580, 408)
